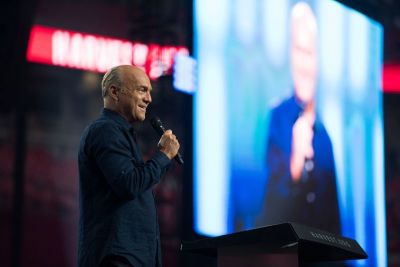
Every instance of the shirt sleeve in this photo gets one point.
(126, 176)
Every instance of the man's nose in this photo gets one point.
(147, 98)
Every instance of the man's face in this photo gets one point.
(304, 55)
(134, 96)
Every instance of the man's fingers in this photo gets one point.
(169, 144)
(167, 139)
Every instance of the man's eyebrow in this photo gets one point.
(145, 87)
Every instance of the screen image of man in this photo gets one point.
(301, 184)
(118, 222)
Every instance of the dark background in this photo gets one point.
(43, 110)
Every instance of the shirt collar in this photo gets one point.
(298, 107)
(115, 116)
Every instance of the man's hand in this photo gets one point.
(302, 136)
(168, 144)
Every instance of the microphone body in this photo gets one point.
(159, 128)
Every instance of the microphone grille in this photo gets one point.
(155, 121)
(157, 125)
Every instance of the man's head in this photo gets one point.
(304, 51)
(126, 89)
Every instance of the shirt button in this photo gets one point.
(311, 197)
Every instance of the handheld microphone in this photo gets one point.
(157, 125)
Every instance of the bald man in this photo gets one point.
(118, 223)
(301, 170)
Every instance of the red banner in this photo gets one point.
(98, 53)
(391, 78)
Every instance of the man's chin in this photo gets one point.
(138, 116)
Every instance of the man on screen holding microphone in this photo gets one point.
(301, 183)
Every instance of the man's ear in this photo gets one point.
(113, 92)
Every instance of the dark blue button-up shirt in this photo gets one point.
(117, 208)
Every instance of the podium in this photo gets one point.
(280, 245)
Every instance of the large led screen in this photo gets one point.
(288, 119)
